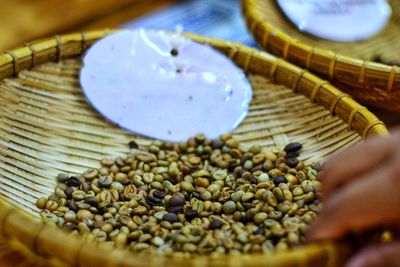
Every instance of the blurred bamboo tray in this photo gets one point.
(347, 65)
(47, 127)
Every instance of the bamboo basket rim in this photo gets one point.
(390, 75)
(45, 240)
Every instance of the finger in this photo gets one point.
(383, 255)
(365, 202)
(353, 162)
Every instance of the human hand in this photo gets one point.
(360, 191)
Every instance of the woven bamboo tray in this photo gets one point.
(347, 65)
(47, 127)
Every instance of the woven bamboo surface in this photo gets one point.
(47, 127)
(348, 65)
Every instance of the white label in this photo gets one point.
(164, 86)
(338, 20)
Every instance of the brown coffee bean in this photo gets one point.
(171, 217)
(215, 224)
(177, 200)
(293, 147)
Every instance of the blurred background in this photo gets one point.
(23, 21)
(26, 20)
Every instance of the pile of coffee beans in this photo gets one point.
(201, 196)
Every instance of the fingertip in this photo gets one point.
(377, 255)
(322, 174)
(365, 257)
(325, 167)
(320, 230)
(356, 262)
(317, 233)
(327, 176)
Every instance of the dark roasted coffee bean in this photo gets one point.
(177, 200)
(243, 217)
(292, 155)
(191, 214)
(73, 181)
(241, 172)
(232, 166)
(175, 209)
(92, 201)
(217, 144)
(279, 179)
(215, 224)
(293, 147)
(159, 194)
(102, 210)
(186, 195)
(121, 196)
(245, 158)
(133, 145)
(376, 58)
(171, 217)
(68, 192)
(292, 162)
(153, 201)
(174, 52)
(72, 206)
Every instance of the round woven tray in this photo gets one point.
(348, 65)
(47, 127)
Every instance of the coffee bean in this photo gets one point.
(292, 155)
(153, 201)
(174, 52)
(177, 200)
(72, 206)
(293, 147)
(68, 192)
(292, 162)
(245, 158)
(279, 179)
(102, 210)
(92, 201)
(217, 144)
(133, 145)
(191, 214)
(175, 209)
(73, 181)
(159, 194)
(171, 217)
(215, 224)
